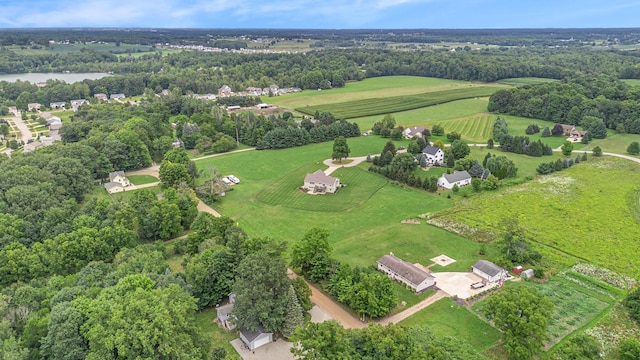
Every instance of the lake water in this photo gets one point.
(42, 77)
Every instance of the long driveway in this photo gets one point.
(24, 129)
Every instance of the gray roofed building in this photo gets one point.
(255, 339)
(433, 155)
(489, 271)
(319, 182)
(113, 187)
(460, 178)
(416, 278)
(119, 177)
(431, 150)
(413, 131)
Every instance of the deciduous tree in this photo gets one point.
(340, 148)
(312, 254)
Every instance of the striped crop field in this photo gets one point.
(392, 104)
(360, 186)
(474, 128)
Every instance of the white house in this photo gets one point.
(119, 177)
(489, 271)
(223, 313)
(255, 339)
(433, 155)
(113, 187)
(460, 178)
(116, 96)
(57, 105)
(33, 106)
(406, 272)
(410, 132)
(101, 97)
(32, 146)
(320, 183)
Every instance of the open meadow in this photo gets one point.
(566, 215)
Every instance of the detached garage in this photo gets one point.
(489, 271)
(255, 339)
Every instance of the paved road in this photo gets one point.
(24, 129)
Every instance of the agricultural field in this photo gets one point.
(525, 81)
(446, 318)
(372, 88)
(392, 104)
(563, 213)
(75, 48)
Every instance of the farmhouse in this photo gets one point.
(489, 271)
(405, 272)
(433, 154)
(13, 110)
(119, 177)
(113, 187)
(410, 132)
(33, 106)
(225, 90)
(101, 97)
(57, 105)
(460, 178)
(255, 339)
(116, 96)
(319, 183)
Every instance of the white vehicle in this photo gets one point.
(234, 179)
(226, 181)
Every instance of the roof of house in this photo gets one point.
(431, 150)
(319, 177)
(457, 176)
(252, 335)
(488, 267)
(111, 185)
(224, 310)
(414, 130)
(405, 269)
(116, 173)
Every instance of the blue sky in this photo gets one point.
(325, 14)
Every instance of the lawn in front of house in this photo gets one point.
(142, 179)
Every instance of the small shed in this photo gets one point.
(527, 274)
(516, 269)
(255, 339)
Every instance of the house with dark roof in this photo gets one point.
(405, 272)
(255, 339)
(113, 187)
(119, 177)
(434, 155)
(410, 132)
(460, 178)
(489, 271)
(320, 183)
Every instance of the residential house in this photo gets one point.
(164, 92)
(54, 124)
(13, 110)
(254, 91)
(46, 140)
(41, 84)
(117, 96)
(410, 132)
(119, 177)
(489, 271)
(572, 132)
(262, 106)
(113, 187)
(225, 90)
(75, 104)
(460, 178)
(320, 183)
(223, 313)
(255, 339)
(32, 146)
(33, 106)
(101, 97)
(434, 155)
(57, 105)
(405, 272)
(527, 274)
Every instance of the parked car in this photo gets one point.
(234, 179)
(226, 180)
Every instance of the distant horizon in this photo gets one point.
(293, 29)
(327, 15)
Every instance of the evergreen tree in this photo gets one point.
(546, 132)
(634, 148)
(294, 314)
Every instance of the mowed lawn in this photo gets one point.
(446, 318)
(379, 87)
(391, 104)
(362, 227)
(615, 143)
(360, 186)
(587, 211)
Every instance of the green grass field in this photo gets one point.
(446, 318)
(615, 143)
(142, 179)
(566, 213)
(632, 82)
(393, 104)
(218, 336)
(372, 88)
(524, 81)
(360, 186)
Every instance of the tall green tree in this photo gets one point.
(210, 276)
(312, 254)
(261, 290)
(567, 148)
(340, 148)
(294, 316)
(522, 313)
(64, 340)
(634, 148)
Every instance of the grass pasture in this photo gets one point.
(392, 104)
(446, 318)
(525, 81)
(361, 185)
(564, 213)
